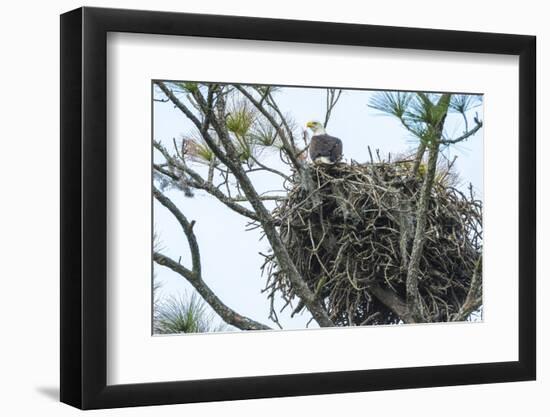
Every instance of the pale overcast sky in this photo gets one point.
(230, 260)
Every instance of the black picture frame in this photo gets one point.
(84, 207)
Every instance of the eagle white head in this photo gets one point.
(316, 127)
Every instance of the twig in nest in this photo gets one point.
(358, 236)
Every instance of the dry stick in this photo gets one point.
(266, 220)
(466, 135)
(370, 154)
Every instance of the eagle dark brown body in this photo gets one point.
(325, 149)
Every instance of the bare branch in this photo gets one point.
(187, 228)
(194, 276)
(466, 135)
(199, 183)
(243, 199)
(166, 172)
(228, 315)
(333, 95)
(269, 169)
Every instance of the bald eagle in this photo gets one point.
(323, 149)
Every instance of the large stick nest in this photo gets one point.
(349, 228)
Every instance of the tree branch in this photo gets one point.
(269, 169)
(466, 135)
(228, 315)
(271, 103)
(393, 302)
(194, 276)
(187, 228)
(243, 199)
(166, 172)
(418, 157)
(332, 97)
(199, 183)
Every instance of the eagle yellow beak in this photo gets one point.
(310, 124)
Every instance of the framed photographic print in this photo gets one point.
(256, 208)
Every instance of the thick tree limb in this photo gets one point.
(393, 302)
(418, 157)
(414, 300)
